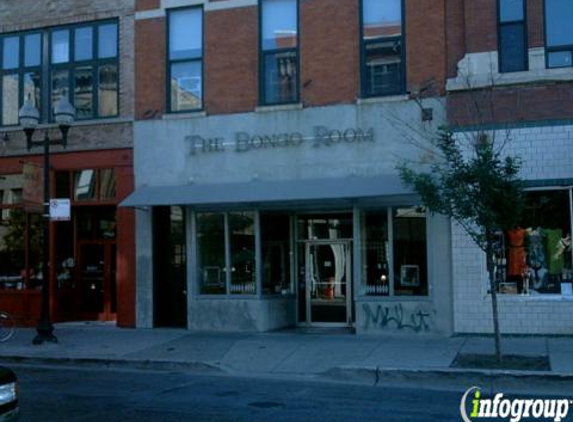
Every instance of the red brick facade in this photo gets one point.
(329, 52)
(150, 55)
(231, 60)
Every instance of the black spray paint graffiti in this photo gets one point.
(385, 316)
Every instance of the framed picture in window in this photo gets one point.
(410, 275)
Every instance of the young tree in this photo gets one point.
(476, 184)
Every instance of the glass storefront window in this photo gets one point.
(211, 262)
(375, 253)
(242, 240)
(394, 263)
(535, 257)
(20, 238)
(409, 252)
(276, 253)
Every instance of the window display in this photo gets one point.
(394, 261)
(536, 257)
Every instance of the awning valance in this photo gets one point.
(258, 192)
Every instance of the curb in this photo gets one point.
(458, 379)
(160, 365)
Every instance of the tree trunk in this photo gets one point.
(493, 289)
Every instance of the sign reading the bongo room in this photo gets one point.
(246, 142)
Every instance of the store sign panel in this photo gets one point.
(60, 210)
(321, 137)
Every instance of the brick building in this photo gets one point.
(83, 50)
(265, 146)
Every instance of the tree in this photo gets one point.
(476, 184)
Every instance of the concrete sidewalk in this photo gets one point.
(320, 354)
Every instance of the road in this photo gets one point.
(69, 395)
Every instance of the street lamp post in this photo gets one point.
(29, 116)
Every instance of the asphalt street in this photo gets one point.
(66, 395)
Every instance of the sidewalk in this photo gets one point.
(294, 353)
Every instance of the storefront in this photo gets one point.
(281, 218)
(533, 271)
(90, 257)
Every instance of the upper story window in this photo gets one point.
(81, 62)
(382, 48)
(279, 52)
(512, 36)
(21, 68)
(185, 59)
(559, 33)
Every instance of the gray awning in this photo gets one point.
(264, 192)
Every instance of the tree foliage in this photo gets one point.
(474, 184)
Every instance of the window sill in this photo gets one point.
(367, 298)
(186, 115)
(384, 99)
(279, 107)
(530, 298)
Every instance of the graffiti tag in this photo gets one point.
(386, 316)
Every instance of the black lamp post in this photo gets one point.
(29, 116)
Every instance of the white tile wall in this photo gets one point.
(547, 153)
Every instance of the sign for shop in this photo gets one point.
(60, 210)
(321, 137)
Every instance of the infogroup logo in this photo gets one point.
(512, 409)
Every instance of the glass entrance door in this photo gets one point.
(328, 286)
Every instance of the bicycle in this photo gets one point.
(7, 326)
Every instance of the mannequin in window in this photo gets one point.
(516, 263)
(536, 256)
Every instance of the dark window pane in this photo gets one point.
(185, 34)
(10, 101)
(560, 59)
(510, 10)
(61, 46)
(279, 24)
(84, 92)
(559, 15)
(108, 90)
(383, 68)
(83, 44)
(512, 44)
(32, 50)
(62, 184)
(107, 184)
(85, 185)
(280, 78)
(211, 267)
(375, 254)
(60, 86)
(410, 261)
(242, 238)
(381, 18)
(275, 246)
(11, 53)
(186, 86)
(32, 88)
(107, 44)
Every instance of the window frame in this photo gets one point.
(500, 25)
(169, 62)
(549, 49)
(21, 70)
(264, 53)
(363, 44)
